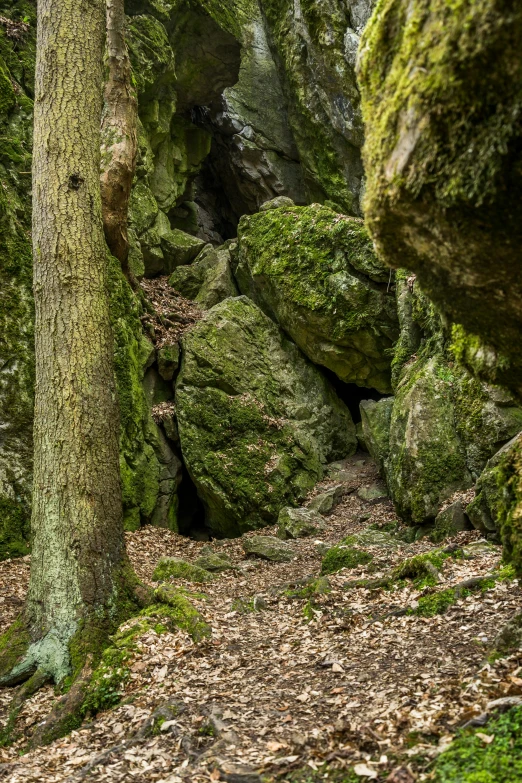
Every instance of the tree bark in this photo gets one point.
(119, 137)
(78, 554)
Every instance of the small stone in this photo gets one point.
(168, 567)
(268, 548)
(213, 562)
(168, 361)
(277, 203)
(451, 520)
(326, 501)
(376, 493)
(298, 523)
(259, 603)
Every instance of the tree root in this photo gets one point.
(33, 684)
(65, 715)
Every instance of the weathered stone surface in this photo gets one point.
(257, 421)
(376, 422)
(208, 280)
(168, 361)
(373, 494)
(277, 203)
(268, 548)
(214, 562)
(453, 519)
(316, 44)
(325, 502)
(451, 212)
(299, 523)
(315, 272)
(176, 568)
(436, 434)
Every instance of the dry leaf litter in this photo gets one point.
(284, 683)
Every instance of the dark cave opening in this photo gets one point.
(351, 394)
(191, 512)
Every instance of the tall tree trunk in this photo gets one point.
(119, 137)
(78, 553)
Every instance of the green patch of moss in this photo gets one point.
(419, 568)
(318, 586)
(342, 556)
(177, 608)
(174, 568)
(470, 760)
(13, 645)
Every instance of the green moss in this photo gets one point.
(16, 307)
(470, 760)
(342, 556)
(13, 645)
(176, 606)
(318, 586)
(174, 568)
(419, 568)
(316, 73)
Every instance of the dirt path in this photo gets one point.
(288, 683)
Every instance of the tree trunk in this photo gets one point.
(78, 555)
(119, 138)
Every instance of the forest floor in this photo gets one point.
(306, 688)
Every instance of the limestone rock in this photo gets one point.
(168, 361)
(299, 523)
(452, 213)
(374, 493)
(276, 203)
(213, 562)
(316, 44)
(453, 519)
(176, 568)
(325, 502)
(315, 272)
(208, 280)
(376, 421)
(257, 422)
(268, 548)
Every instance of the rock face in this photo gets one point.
(257, 422)
(208, 280)
(436, 434)
(442, 92)
(316, 274)
(316, 43)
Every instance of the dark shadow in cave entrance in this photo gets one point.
(191, 513)
(351, 394)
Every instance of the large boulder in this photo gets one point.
(437, 433)
(257, 421)
(442, 90)
(316, 273)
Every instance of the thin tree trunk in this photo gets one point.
(119, 137)
(78, 546)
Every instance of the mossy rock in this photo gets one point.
(268, 548)
(176, 568)
(344, 556)
(316, 44)
(299, 523)
(376, 423)
(257, 422)
(214, 562)
(316, 273)
(442, 97)
(180, 611)
(208, 280)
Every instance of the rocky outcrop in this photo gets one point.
(316, 44)
(437, 433)
(257, 422)
(315, 273)
(441, 90)
(208, 280)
